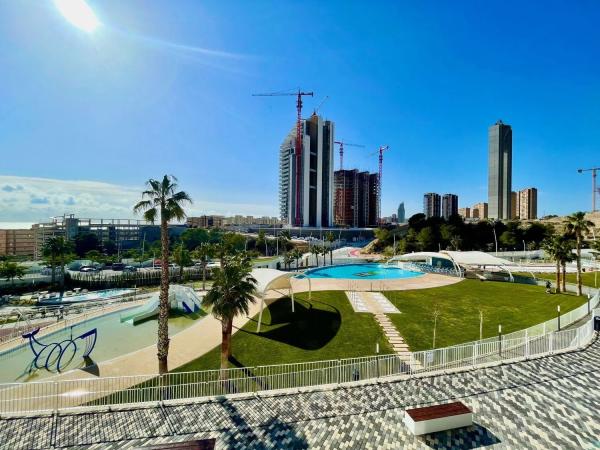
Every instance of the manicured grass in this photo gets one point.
(324, 328)
(587, 278)
(515, 306)
(264, 259)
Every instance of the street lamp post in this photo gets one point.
(495, 237)
(435, 316)
(558, 316)
(500, 340)
(480, 325)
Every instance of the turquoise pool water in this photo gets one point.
(114, 339)
(361, 272)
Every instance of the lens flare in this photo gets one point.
(79, 14)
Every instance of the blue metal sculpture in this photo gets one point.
(50, 356)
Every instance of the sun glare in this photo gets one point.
(79, 14)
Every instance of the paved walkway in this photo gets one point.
(428, 280)
(549, 403)
(376, 303)
(393, 337)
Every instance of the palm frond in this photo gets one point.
(142, 206)
(150, 215)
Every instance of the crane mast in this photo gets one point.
(298, 149)
(595, 190)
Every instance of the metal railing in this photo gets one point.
(91, 393)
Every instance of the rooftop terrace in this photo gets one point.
(549, 402)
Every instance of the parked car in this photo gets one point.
(129, 269)
(118, 266)
(88, 269)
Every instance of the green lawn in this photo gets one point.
(324, 328)
(264, 259)
(587, 278)
(515, 306)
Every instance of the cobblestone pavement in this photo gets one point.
(549, 403)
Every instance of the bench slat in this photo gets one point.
(437, 411)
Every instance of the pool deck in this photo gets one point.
(426, 281)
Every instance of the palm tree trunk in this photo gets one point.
(578, 265)
(558, 276)
(229, 334)
(53, 267)
(163, 308)
(225, 345)
(564, 276)
(204, 276)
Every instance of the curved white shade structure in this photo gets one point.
(271, 280)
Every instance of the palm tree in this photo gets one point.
(287, 259)
(315, 250)
(330, 239)
(182, 257)
(296, 254)
(566, 255)
(203, 252)
(324, 250)
(579, 226)
(231, 294)
(553, 248)
(162, 199)
(55, 251)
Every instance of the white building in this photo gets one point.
(316, 175)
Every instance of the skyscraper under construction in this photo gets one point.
(356, 199)
(315, 194)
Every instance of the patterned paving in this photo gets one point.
(549, 403)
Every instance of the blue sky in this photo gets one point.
(165, 87)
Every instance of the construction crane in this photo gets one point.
(595, 190)
(341, 144)
(298, 149)
(382, 149)
(316, 110)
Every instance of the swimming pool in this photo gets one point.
(361, 272)
(89, 296)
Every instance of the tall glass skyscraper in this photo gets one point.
(401, 213)
(500, 171)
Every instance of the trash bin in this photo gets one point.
(597, 323)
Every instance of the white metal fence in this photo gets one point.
(18, 398)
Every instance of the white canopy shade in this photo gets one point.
(271, 280)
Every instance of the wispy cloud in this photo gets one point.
(29, 199)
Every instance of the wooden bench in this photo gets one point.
(203, 444)
(438, 418)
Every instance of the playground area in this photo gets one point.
(41, 352)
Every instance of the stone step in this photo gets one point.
(397, 346)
